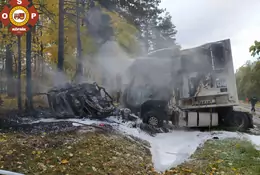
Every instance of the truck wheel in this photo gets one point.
(175, 118)
(153, 118)
(250, 120)
(239, 120)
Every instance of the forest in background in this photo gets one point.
(248, 75)
(68, 35)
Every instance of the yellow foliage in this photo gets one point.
(64, 161)
(52, 53)
(9, 103)
(125, 32)
(46, 33)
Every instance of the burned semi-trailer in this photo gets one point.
(196, 84)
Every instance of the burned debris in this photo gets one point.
(70, 101)
(81, 100)
(42, 127)
(178, 91)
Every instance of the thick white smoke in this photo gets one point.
(113, 61)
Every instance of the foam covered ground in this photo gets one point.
(168, 149)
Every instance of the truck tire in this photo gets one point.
(154, 118)
(239, 121)
(250, 119)
(175, 118)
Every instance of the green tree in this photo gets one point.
(255, 49)
(155, 29)
(164, 33)
(248, 80)
(248, 76)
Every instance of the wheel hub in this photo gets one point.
(239, 122)
(153, 121)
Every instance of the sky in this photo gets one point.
(201, 21)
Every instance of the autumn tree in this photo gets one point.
(45, 37)
(8, 42)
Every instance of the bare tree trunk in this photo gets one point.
(29, 103)
(61, 36)
(38, 60)
(79, 69)
(9, 71)
(42, 59)
(35, 64)
(19, 69)
(15, 65)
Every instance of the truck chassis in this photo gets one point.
(203, 83)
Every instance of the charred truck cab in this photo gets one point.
(197, 84)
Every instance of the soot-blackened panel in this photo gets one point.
(218, 51)
(196, 60)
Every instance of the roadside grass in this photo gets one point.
(95, 153)
(225, 157)
(73, 153)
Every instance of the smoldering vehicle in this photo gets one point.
(81, 100)
(192, 88)
(196, 84)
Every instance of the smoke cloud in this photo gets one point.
(113, 61)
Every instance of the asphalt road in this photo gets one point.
(247, 107)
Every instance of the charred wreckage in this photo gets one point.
(85, 100)
(196, 85)
(81, 100)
